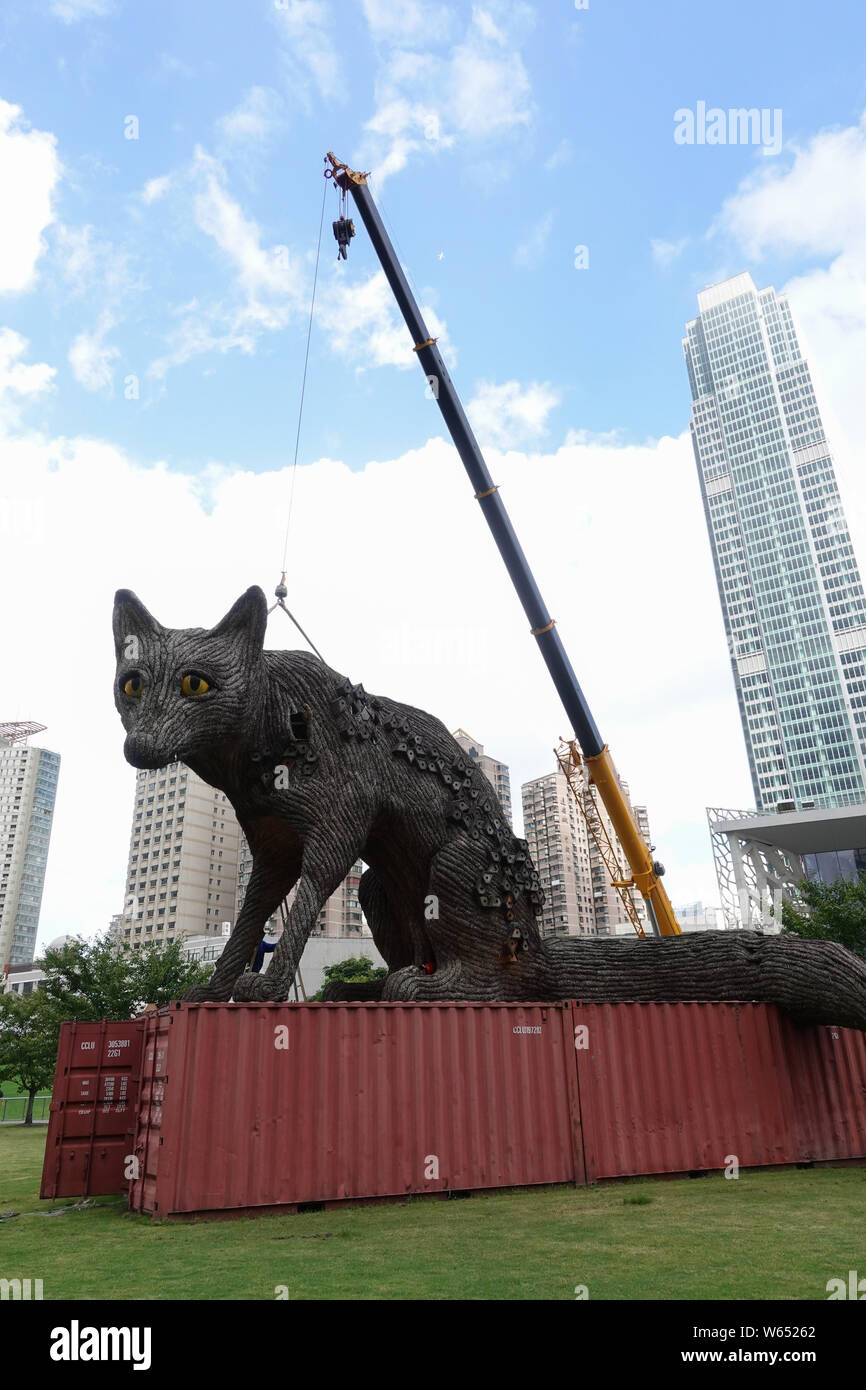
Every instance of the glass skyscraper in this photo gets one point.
(28, 786)
(790, 589)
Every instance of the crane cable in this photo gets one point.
(281, 590)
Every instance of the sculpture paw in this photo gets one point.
(407, 984)
(204, 994)
(251, 988)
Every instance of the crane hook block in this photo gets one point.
(344, 230)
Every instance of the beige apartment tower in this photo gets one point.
(558, 841)
(341, 915)
(183, 859)
(580, 899)
(611, 918)
(496, 773)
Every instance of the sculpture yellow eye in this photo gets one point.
(194, 685)
(133, 687)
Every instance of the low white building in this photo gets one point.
(762, 857)
(320, 951)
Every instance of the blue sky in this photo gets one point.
(591, 92)
(154, 296)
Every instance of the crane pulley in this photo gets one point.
(344, 230)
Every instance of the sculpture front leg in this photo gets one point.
(324, 866)
(270, 882)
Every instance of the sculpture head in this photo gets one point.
(182, 691)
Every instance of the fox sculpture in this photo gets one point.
(321, 774)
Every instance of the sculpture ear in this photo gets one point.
(246, 620)
(131, 619)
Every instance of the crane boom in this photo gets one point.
(646, 873)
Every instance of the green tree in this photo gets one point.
(29, 1028)
(830, 912)
(161, 972)
(102, 979)
(86, 981)
(350, 972)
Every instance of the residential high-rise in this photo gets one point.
(28, 786)
(558, 841)
(183, 858)
(496, 773)
(791, 594)
(341, 915)
(611, 918)
(580, 899)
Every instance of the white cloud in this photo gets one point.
(664, 253)
(400, 21)
(558, 156)
(489, 92)
(308, 50)
(19, 381)
(87, 264)
(263, 274)
(90, 357)
(530, 253)
(400, 622)
(268, 285)
(172, 66)
(203, 329)
(29, 171)
(509, 414)
(818, 205)
(79, 256)
(156, 188)
(254, 119)
(487, 26)
(605, 438)
(475, 90)
(363, 324)
(400, 127)
(70, 11)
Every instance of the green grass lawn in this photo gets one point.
(767, 1235)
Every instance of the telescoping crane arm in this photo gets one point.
(646, 873)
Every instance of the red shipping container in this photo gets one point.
(678, 1088)
(248, 1106)
(251, 1106)
(831, 1109)
(93, 1109)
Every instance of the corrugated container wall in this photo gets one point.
(678, 1088)
(250, 1106)
(262, 1105)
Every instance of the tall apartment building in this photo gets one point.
(28, 787)
(558, 841)
(183, 858)
(496, 773)
(580, 899)
(611, 918)
(341, 915)
(791, 593)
